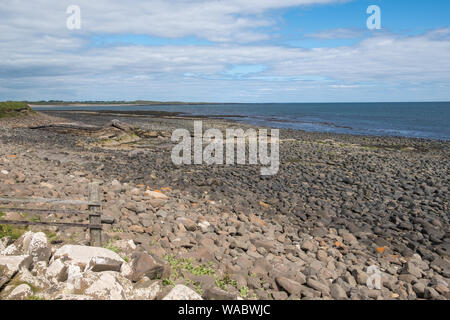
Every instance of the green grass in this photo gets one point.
(168, 282)
(179, 266)
(222, 283)
(197, 287)
(52, 236)
(244, 292)
(11, 231)
(111, 247)
(35, 298)
(12, 108)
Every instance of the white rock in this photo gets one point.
(82, 255)
(10, 250)
(39, 269)
(10, 265)
(135, 191)
(4, 172)
(21, 292)
(47, 185)
(181, 292)
(155, 195)
(57, 271)
(125, 246)
(74, 276)
(204, 225)
(15, 263)
(36, 245)
(108, 285)
(39, 281)
(146, 293)
(126, 270)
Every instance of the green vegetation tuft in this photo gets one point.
(226, 280)
(12, 108)
(244, 292)
(168, 282)
(11, 231)
(180, 266)
(35, 298)
(111, 247)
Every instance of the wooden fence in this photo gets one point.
(94, 212)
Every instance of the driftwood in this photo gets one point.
(68, 126)
(121, 125)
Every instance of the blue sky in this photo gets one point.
(225, 51)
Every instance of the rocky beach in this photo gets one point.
(342, 209)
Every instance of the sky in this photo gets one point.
(225, 50)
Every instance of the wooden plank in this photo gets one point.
(95, 215)
(42, 211)
(55, 224)
(47, 200)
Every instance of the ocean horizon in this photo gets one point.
(427, 120)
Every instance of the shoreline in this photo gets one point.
(227, 118)
(268, 122)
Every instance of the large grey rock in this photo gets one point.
(214, 293)
(181, 292)
(319, 286)
(99, 264)
(337, 292)
(143, 264)
(290, 286)
(82, 255)
(411, 268)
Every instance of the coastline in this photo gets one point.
(339, 204)
(396, 119)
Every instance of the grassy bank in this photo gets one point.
(13, 108)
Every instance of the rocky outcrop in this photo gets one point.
(10, 265)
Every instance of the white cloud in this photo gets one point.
(41, 58)
(215, 20)
(340, 33)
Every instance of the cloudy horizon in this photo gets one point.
(225, 51)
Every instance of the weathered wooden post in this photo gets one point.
(95, 219)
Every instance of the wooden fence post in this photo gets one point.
(95, 219)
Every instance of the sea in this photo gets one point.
(428, 120)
